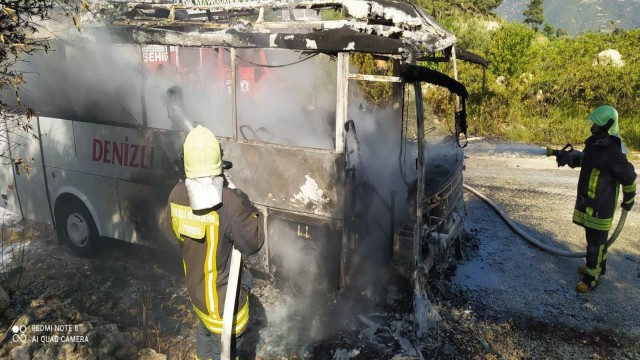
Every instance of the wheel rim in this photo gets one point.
(78, 230)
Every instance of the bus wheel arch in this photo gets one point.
(75, 226)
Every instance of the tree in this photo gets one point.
(534, 14)
(549, 31)
(510, 51)
(561, 32)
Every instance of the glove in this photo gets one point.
(574, 159)
(562, 158)
(627, 205)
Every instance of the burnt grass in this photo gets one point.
(142, 292)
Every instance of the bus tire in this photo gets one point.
(75, 227)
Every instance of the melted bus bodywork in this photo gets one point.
(323, 166)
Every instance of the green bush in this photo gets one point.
(551, 85)
(375, 92)
(510, 51)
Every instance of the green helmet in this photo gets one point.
(202, 155)
(601, 116)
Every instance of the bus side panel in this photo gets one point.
(135, 210)
(120, 152)
(98, 193)
(59, 149)
(145, 214)
(29, 176)
(8, 192)
(297, 180)
(58, 143)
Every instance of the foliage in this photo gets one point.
(534, 14)
(378, 92)
(510, 50)
(471, 31)
(452, 8)
(561, 86)
(540, 87)
(549, 31)
(328, 15)
(561, 32)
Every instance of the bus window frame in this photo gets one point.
(139, 123)
(338, 125)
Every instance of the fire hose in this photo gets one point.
(538, 243)
(229, 304)
(549, 152)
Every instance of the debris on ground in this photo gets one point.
(131, 303)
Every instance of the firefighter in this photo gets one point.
(604, 167)
(209, 217)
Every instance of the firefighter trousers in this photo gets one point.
(596, 256)
(209, 346)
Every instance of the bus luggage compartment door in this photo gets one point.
(305, 252)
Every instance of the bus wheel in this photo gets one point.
(75, 226)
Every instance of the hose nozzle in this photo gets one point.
(551, 152)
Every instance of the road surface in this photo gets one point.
(512, 277)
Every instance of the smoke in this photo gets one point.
(84, 82)
(383, 152)
(281, 100)
(283, 97)
(387, 165)
(293, 104)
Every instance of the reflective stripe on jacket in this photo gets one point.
(604, 169)
(207, 238)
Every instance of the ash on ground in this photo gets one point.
(131, 303)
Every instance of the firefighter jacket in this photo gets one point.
(604, 169)
(207, 238)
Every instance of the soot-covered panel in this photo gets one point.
(292, 179)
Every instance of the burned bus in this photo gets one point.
(333, 172)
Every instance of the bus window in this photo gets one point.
(200, 72)
(292, 104)
(104, 83)
(160, 74)
(85, 82)
(42, 91)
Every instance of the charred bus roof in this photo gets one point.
(385, 27)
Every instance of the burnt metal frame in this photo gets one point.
(409, 38)
(373, 26)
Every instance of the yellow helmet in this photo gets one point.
(202, 155)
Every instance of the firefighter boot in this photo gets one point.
(590, 280)
(582, 287)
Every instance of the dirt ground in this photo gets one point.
(505, 300)
(525, 293)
